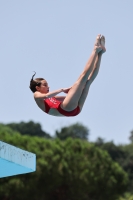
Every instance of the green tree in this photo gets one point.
(127, 196)
(29, 128)
(127, 164)
(66, 170)
(100, 141)
(122, 154)
(131, 137)
(74, 131)
(116, 152)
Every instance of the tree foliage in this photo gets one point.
(122, 154)
(29, 128)
(127, 164)
(66, 170)
(131, 137)
(116, 152)
(74, 131)
(127, 196)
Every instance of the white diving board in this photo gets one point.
(14, 161)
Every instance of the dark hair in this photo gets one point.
(35, 82)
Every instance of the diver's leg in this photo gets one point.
(98, 61)
(74, 94)
(89, 82)
(92, 75)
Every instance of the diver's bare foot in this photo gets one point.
(103, 44)
(97, 46)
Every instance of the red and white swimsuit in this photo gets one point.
(55, 104)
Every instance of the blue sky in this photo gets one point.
(55, 39)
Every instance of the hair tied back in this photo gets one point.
(33, 76)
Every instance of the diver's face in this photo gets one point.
(43, 88)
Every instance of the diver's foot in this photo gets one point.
(97, 46)
(103, 44)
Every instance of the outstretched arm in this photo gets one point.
(66, 90)
(61, 98)
(38, 95)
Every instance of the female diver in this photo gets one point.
(72, 103)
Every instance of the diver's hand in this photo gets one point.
(66, 90)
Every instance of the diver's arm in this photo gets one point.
(39, 95)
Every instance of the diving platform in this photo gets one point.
(15, 161)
